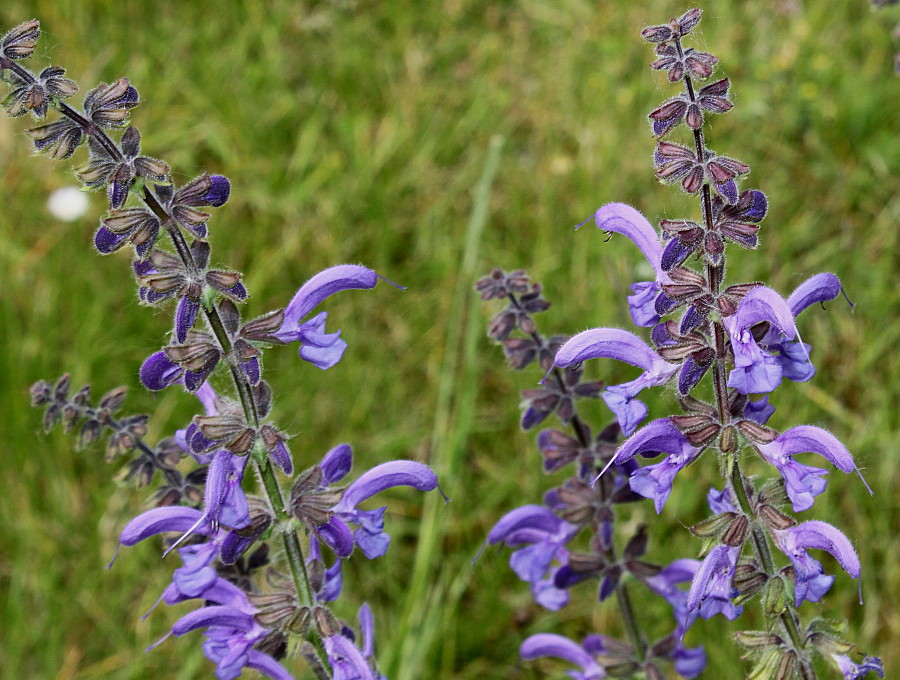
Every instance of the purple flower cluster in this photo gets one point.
(571, 537)
(745, 338)
(223, 531)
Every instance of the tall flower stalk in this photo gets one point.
(744, 338)
(573, 537)
(253, 601)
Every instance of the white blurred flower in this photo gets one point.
(68, 203)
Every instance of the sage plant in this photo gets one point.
(743, 338)
(264, 568)
(571, 538)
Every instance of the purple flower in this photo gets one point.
(665, 584)
(369, 535)
(318, 347)
(853, 671)
(612, 343)
(544, 537)
(756, 370)
(158, 372)
(793, 356)
(625, 220)
(346, 660)
(811, 581)
(655, 481)
(548, 644)
(804, 482)
(711, 590)
(231, 633)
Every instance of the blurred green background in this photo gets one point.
(359, 132)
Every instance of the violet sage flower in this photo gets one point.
(583, 655)
(540, 538)
(804, 482)
(712, 590)
(316, 346)
(613, 343)
(811, 581)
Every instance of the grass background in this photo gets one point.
(433, 141)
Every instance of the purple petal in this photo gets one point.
(658, 436)
(809, 439)
(557, 646)
(690, 374)
(219, 191)
(108, 242)
(367, 629)
(625, 220)
(252, 370)
(346, 660)
(822, 536)
(267, 665)
(819, 288)
(334, 583)
(763, 304)
(281, 456)
(158, 372)
(610, 343)
(160, 520)
(655, 481)
(337, 535)
(185, 315)
(385, 476)
(528, 516)
(324, 284)
(759, 411)
(227, 617)
(336, 464)
(642, 304)
(728, 191)
(758, 207)
(713, 583)
(675, 253)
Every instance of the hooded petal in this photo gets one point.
(763, 304)
(711, 590)
(822, 536)
(819, 288)
(267, 665)
(623, 219)
(557, 646)
(346, 660)
(658, 436)
(386, 476)
(227, 617)
(367, 629)
(337, 535)
(809, 439)
(325, 284)
(612, 343)
(536, 517)
(158, 372)
(176, 518)
(336, 464)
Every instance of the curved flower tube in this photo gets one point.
(804, 482)
(370, 535)
(623, 219)
(793, 356)
(346, 661)
(711, 590)
(757, 371)
(544, 537)
(655, 481)
(613, 343)
(316, 346)
(811, 580)
(548, 644)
